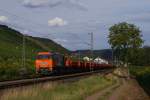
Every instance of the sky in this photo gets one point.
(68, 22)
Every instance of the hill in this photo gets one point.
(11, 51)
(11, 40)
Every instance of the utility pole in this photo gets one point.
(23, 52)
(112, 56)
(92, 46)
(79, 58)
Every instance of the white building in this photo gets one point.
(100, 61)
(86, 58)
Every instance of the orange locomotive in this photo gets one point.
(48, 62)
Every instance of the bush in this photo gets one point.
(143, 76)
(11, 69)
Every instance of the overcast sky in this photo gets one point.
(68, 22)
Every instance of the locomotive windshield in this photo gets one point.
(43, 56)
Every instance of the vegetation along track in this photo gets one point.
(23, 82)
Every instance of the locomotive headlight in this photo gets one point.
(44, 63)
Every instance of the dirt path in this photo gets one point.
(101, 93)
(124, 89)
(129, 90)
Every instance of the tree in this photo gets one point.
(146, 57)
(125, 39)
(142, 57)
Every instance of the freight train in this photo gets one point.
(49, 62)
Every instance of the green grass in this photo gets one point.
(143, 76)
(11, 52)
(67, 91)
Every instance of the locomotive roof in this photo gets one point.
(44, 53)
(49, 53)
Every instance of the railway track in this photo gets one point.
(23, 82)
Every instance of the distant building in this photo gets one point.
(100, 61)
(86, 58)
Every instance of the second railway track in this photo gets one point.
(23, 82)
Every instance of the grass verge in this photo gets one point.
(67, 91)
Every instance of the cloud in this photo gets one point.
(3, 19)
(54, 3)
(69, 4)
(57, 22)
(35, 3)
(60, 40)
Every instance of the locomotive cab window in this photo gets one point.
(43, 57)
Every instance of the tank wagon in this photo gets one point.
(49, 62)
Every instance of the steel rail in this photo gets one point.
(23, 82)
